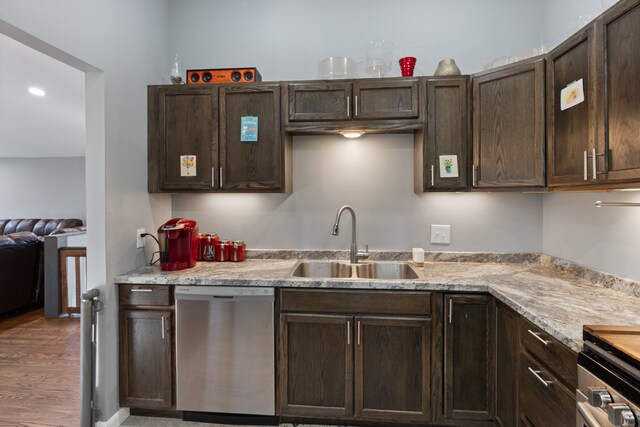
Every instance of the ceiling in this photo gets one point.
(30, 126)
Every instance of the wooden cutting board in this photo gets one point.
(624, 338)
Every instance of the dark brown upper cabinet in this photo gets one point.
(508, 126)
(182, 121)
(259, 165)
(571, 134)
(195, 139)
(372, 104)
(618, 66)
(441, 148)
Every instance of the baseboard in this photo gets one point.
(117, 419)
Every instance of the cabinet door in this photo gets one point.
(572, 132)
(319, 101)
(618, 44)
(146, 359)
(507, 355)
(182, 122)
(251, 165)
(316, 365)
(469, 357)
(392, 368)
(446, 134)
(386, 99)
(508, 126)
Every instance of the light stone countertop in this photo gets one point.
(557, 301)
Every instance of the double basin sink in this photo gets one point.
(344, 270)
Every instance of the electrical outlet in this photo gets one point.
(440, 234)
(139, 238)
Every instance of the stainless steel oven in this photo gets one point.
(609, 378)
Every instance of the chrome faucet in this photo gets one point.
(355, 253)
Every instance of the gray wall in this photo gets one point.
(42, 187)
(374, 175)
(122, 47)
(605, 238)
(285, 39)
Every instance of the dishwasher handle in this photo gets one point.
(224, 292)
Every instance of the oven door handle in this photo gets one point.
(583, 410)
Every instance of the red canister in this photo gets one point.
(222, 250)
(238, 251)
(209, 249)
(202, 237)
(229, 248)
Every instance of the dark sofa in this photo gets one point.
(22, 259)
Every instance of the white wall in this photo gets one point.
(374, 175)
(42, 187)
(122, 47)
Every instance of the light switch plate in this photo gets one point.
(440, 234)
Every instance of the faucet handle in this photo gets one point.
(363, 254)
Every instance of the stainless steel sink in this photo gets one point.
(385, 270)
(322, 269)
(343, 270)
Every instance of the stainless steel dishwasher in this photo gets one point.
(225, 350)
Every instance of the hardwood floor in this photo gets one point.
(39, 371)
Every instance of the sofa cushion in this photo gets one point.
(19, 261)
(40, 227)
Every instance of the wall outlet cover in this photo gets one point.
(440, 234)
(139, 238)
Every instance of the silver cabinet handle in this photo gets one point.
(348, 332)
(358, 332)
(348, 106)
(432, 176)
(585, 167)
(220, 177)
(474, 170)
(595, 156)
(162, 327)
(356, 106)
(141, 290)
(537, 375)
(213, 177)
(450, 310)
(537, 335)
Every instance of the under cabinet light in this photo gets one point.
(351, 133)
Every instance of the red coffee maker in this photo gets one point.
(178, 240)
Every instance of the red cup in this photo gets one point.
(407, 64)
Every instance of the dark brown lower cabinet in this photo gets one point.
(350, 366)
(507, 355)
(316, 365)
(146, 359)
(392, 368)
(544, 400)
(469, 338)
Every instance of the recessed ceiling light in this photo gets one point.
(37, 91)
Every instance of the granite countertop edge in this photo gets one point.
(552, 296)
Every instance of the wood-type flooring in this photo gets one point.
(39, 370)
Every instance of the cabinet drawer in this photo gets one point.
(146, 295)
(551, 352)
(548, 403)
(357, 302)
